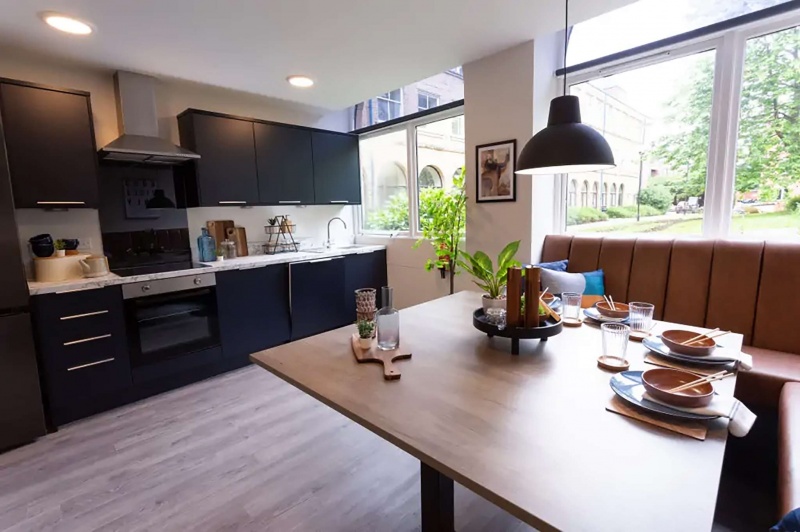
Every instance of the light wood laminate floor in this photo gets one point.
(242, 451)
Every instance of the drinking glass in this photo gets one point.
(571, 306)
(615, 340)
(641, 317)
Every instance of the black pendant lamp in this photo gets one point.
(565, 145)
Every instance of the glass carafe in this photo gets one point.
(388, 322)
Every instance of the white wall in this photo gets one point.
(498, 106)
(173, 96)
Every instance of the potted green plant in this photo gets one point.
(442, 221)
(491, 281)
(60, 247)
(365, 330)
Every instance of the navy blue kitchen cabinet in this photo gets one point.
(364, 270)
(285, 166)
(226, 172)
(317, 296)
(336, 168)
(49, 137)
(82, 344)
(253, 308)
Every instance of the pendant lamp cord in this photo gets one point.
(566, 39)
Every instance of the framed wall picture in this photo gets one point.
(496, 163)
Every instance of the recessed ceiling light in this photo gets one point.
(300, 81)
(66, 24)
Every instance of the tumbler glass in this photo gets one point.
(641, 317)
(615, 340)
(571, 306)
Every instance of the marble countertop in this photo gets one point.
(242, 263)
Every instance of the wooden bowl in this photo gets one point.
(674, 338)
(605, 309)
(548, 298)
(657, 382)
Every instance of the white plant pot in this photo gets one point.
(488, 303)
(365, 343)
(61, 253)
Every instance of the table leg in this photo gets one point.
(515, 346)
(437, 501)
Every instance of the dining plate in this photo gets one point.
(628, 386)
(594, 314)
(657, 346)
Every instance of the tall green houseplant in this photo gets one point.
(444, 225)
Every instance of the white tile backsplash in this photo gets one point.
(311, 220)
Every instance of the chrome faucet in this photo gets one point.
(328, 243)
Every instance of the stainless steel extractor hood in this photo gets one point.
(138, 122)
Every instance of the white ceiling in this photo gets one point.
(354, 49)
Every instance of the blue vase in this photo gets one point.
(206, 247)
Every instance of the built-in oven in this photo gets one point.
(171, 318)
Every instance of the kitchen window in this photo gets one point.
(704, 132)
(426, 100)
(405, 168)
(390, 105)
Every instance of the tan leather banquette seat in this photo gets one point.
(752, 288)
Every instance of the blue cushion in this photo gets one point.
(557, 266)
(589, 284)
(789, 523)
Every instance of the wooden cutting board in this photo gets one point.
(387, 358)
(219, 230)
(238, 235)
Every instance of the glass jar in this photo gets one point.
(228, 249)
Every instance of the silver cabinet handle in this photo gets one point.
(60, 203)
(339, 201)
(90, 364)
(232, 202)
(288, 201)
(324, 260)
(83, 340)
(76, 316)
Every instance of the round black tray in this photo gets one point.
(549, 328)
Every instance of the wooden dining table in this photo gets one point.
(530, 433)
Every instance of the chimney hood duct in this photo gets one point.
(136, 112)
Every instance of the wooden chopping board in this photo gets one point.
(219, 230)
(387, 358)
(238, 235)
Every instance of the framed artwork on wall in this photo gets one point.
(495, 175)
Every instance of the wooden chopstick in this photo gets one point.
(693, 339)
(550, 312)
(707, 336)
(711, 378)
(611, 300)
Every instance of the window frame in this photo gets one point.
(428, 97)
(410, 128)
(729, 46)
(387, 97)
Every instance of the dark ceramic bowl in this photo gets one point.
(70, 243)
(659, 381)
(674, 339)
(41, 239)
(43, 249)
(605, 309)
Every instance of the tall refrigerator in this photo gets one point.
(21, 409)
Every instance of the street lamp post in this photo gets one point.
(639, 194)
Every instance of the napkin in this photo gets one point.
(741, 418)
